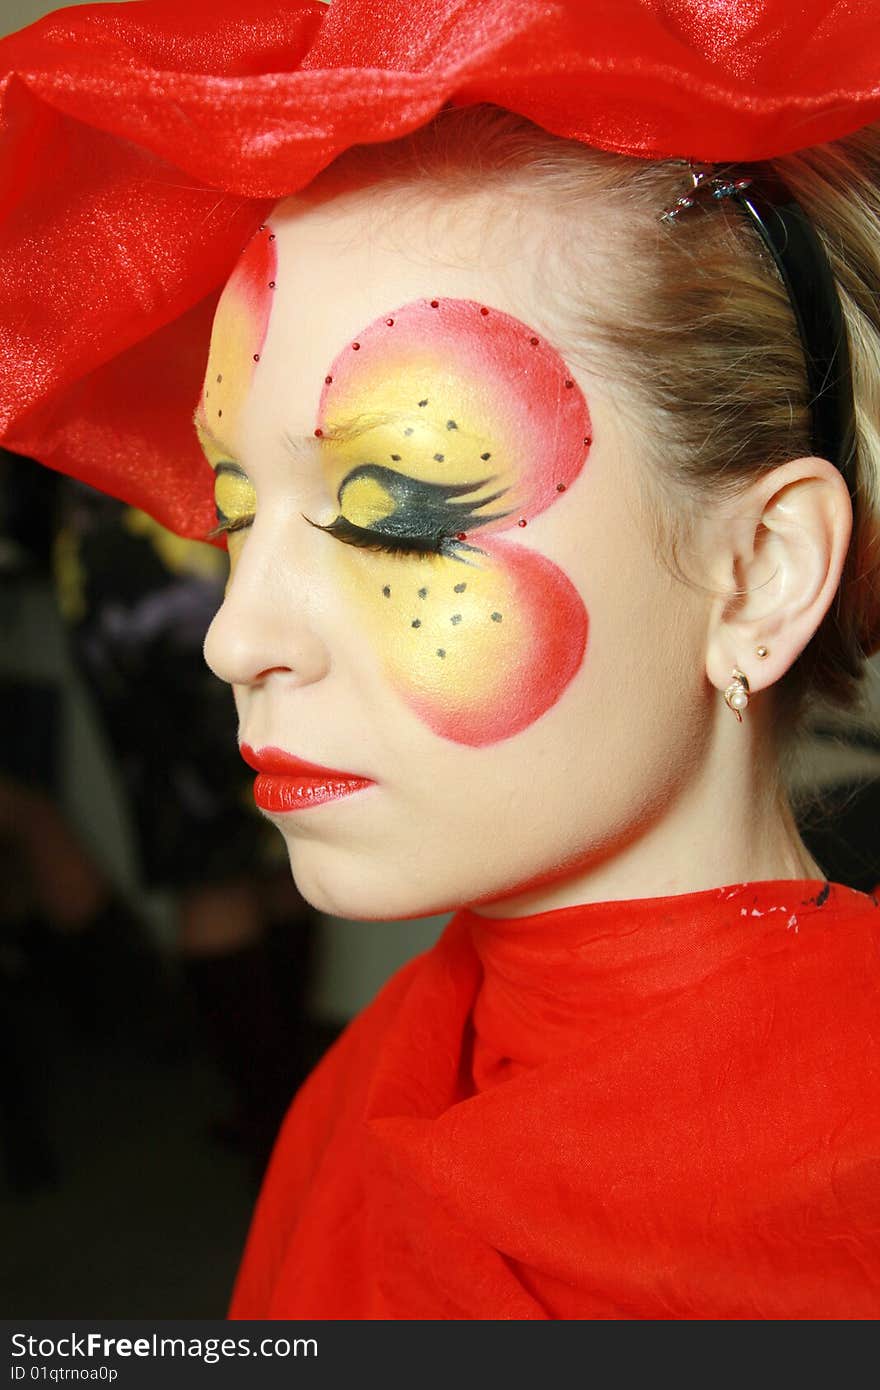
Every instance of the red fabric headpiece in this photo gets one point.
(142, 144)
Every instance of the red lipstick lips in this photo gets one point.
(286, 783)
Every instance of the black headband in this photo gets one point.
(801, 260)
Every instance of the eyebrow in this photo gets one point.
(296, 442)
(347, 433)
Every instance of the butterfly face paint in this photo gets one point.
(448, 426)
(237, 337)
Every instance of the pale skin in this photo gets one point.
(637, 780)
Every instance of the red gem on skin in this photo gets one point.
(256, 357)
(356, 347)
(319, 434)
(328, 379)
(522, 522)
(569, 385)
(435, 303)
(560, 487)
(461, 536)
(534, 342)
(484, 312)
(390, 322)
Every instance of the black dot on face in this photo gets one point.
(496, 617)
(386, 591)
(219, 378)
(423, 402)
(460, 588)
(440, 651)
(219, 413)
(395, 458)
(484, 457)
(423, 593)
(408, 430)
(451, 425)
(416, 622)
(456, 618)
(439, 457)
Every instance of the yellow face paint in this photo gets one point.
(237, 338)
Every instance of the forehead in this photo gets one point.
(343, 262)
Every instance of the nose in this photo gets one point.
(263, 625)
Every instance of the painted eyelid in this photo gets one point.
(416, 500)
(234, 493)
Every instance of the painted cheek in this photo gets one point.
(463, 395)
(239, 332)
(478, 652)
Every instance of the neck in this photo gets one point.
(728, 820)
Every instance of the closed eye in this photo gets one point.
(409, 516)
(234, 487)
(225, 526)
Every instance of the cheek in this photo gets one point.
(479, 653)
(238, 333)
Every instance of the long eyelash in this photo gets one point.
(422, 547)
(225, 527)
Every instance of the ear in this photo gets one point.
(778, 556)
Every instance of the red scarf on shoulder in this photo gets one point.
(666, 1108)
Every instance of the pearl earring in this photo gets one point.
(736, 695)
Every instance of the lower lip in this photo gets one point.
(281, 794)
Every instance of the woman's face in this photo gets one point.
(441, 578)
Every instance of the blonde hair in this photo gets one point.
(704, 324)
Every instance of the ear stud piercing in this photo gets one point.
(761, 651)
(736, 696)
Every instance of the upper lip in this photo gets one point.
(276, 761)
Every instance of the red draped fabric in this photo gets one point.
(142, 144)
(666, 1108)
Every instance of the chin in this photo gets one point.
(363, 888)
